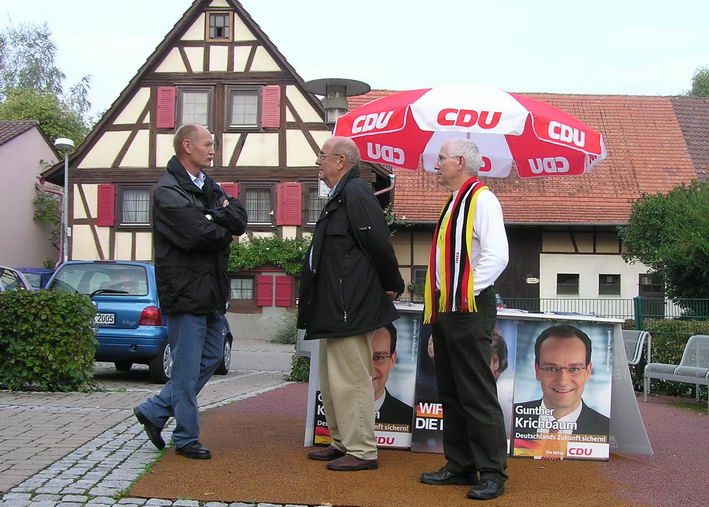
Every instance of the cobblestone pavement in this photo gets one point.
(71, 449)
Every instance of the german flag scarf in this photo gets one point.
(453, 239)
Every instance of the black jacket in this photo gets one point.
(353, 264)
(192, 251)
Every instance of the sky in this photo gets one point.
(626, 47)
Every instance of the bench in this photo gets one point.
(692, 369)
(635, 342)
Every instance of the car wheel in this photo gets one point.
(160, 367)
(123, 365)
(223, 368)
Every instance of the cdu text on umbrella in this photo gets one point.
(386, 153)
(549, 165)
(468, 118)
(371, 121)
(567, 134)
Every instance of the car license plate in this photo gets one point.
(105, 319)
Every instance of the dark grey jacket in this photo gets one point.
(353, 263)
(192, 251)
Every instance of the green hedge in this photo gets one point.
(669, 336)
(46, 340)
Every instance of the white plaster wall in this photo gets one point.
(241, 33)
(263, 325)
(137, 154)
(172, 62)
(306, 112)
(143, 246)
(23, 243)
(83, 244)
(123, 243)
(132, 111)
(241, 55)
(196, 58)
(91, 193)
(259, 150)
(298, 150)
(104, 151)
(163, 149)
(263, 61)
(588, 268)
(196, 31)
(218, 56)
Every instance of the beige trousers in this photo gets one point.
(348, 396)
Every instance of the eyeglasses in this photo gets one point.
(442, 158)
(322, 155)
(380, 357)
(555, 370)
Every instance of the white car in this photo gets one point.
(11, 279)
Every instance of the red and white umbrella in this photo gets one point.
(407, 128)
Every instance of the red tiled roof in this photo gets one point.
(10, 129)
(693, 116)
(647, 154)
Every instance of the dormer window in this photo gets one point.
(219, 26)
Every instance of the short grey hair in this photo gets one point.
(347, 148)
(469, 151)
(186, 131)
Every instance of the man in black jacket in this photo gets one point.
(349, 279)
(194, 221)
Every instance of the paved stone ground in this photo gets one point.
(71, 449)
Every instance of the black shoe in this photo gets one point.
(151, 430)
(194, 450)
(445, 477)
(486, 490)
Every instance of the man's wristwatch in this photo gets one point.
(208, 217)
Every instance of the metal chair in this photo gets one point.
(692, 369)
(634, 342)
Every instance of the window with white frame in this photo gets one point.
(194, 105)
(258, 201)
(242, 107)
(242, 288)
(134, 205)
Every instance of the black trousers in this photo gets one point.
(474, 438)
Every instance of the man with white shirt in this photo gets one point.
(468, 253)
(194, 221)
(562, 365)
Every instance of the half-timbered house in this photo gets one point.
(216, 67)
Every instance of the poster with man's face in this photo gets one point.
(394, 357)
(562, 390)
(428, 419)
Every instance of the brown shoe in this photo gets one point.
(327, 454)
(349, 463)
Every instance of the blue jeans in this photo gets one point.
(197, 348)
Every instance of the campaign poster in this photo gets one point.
(562, 394)
(428, 420)
(394, 358)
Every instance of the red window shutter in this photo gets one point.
(284, 291)
(271, 106)
(166, 107)
(106, 215)
(289, 204)
(264, 290)
(231, 188)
